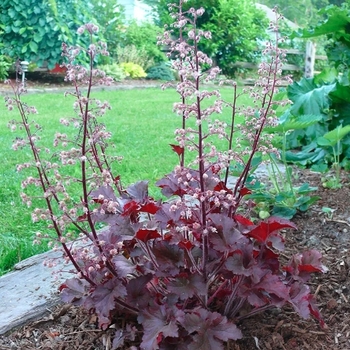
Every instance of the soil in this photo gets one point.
(67, 327)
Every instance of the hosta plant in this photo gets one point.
(180, 273)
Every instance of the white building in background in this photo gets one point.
(136, 9)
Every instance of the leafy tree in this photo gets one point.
(110, 18)
(302, 12)
(235, 25)
(35, 29)
(144, 37)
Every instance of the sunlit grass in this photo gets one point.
(142, 123)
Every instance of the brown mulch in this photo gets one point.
(70, 328)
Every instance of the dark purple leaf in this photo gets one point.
(128, 333)
(123, 266)
(131, 208)
(105, 191)
(138, 191)
(227, 236)
(299, 294)
(169, 258)
(167, 217)
(138, 294)
(311, 262)
(209, 329)
(302, 265)
(186, 285)
(73, 289)
(103, 298)
(170, 186)
(158, 323)
(235, 264)
(303, 302)
(262, 288)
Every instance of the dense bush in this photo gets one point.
(133, 70)
(144, 36)
(236, 27)
(161, 72)
(114, 70)
(181, 273)
(131, 53)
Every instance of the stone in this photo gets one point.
(31, 289)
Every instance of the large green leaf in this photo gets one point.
(338, 20)
(295, 123)
(309, 98)
(331, 138)
(340, 94)
(328, 75)
(33, 46)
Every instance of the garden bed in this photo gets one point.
(66, 327)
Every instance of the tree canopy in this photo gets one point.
(236, 26)
(302, 12)
(34, 30)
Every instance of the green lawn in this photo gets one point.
(142, 123)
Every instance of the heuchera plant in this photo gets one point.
(182, 273)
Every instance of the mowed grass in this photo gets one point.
(142, 123)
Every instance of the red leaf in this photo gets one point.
(185, 244)
(62, 286)
(265, 228)
(82, 218)
(145, 235)
(177, 149)
(150, 208)
(221, 186)
(99, 201)
(244, 191)
(216, 169)
(130, 208)
(242, 220)
(311, 262)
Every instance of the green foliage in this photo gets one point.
(143, 36)
(113, 70)
(282, 201)
(132, 54)
(327, 95)
(161, 72)
(34, 30)
(133, 70)
(109, 16)
(302, 12)
(5, 65)
(236, 28)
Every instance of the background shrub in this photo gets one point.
(114, 71)
(133, 54)
(161, 72)
(5, 65)
(144, 36)
(133, 70)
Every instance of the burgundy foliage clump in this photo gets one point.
(182, 272)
